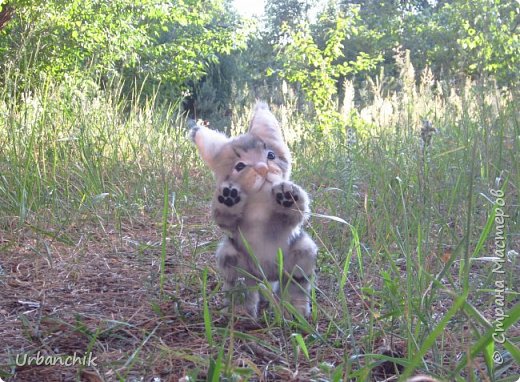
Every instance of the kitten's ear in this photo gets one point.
(265, 126)
(209, 142)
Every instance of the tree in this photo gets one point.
(487, 37)
(283, 14)
(317, 69)
(157, 40)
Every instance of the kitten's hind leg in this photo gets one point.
(299, 265)
(227, 262)
(299, 290)
(231, 264)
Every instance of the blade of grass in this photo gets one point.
(215, 367)
(205, 307)
(436, 332)
(511, 317)
(466, 265)
(301, 344)
(163, 239)
(127, 367)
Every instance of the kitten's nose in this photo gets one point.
(261, 168)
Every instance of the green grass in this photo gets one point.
(401, 226)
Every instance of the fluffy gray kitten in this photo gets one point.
(259, 208)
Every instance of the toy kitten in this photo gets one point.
(260, 210)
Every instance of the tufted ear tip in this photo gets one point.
(265, 126)
(263, 120)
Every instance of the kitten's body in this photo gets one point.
(260, 209)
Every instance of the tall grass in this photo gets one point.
(69, 148)
(421, 205)
(401, 218)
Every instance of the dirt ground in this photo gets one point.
(95, 288)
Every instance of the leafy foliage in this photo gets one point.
(477, 37)
(487, 36)
(317, 69)
(154, 39)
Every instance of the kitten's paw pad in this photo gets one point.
(286, 193)
(229, 195)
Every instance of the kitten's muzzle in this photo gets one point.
(261, 169)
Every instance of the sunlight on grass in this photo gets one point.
(400, 213)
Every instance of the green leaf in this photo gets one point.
(206, 312)
(489, 350)
(301, 343)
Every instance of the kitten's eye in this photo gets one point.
(270, 155)
(240, 166)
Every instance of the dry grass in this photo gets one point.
(81, 246)
(101, 293)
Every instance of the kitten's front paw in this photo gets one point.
(286, 193)
(229, 195)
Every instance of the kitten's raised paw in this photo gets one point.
(229, 195)
(286, 193)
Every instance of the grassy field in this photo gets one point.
(107, 246)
